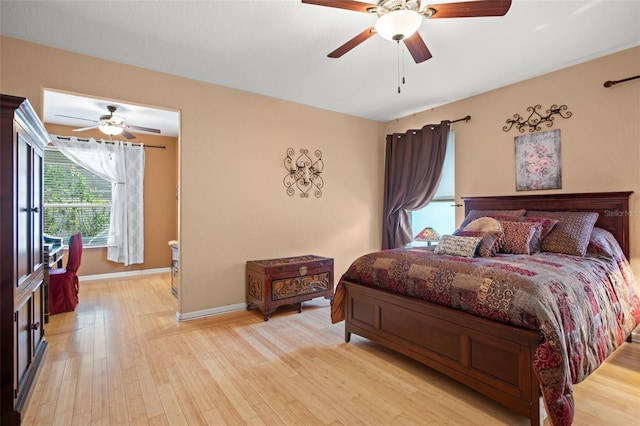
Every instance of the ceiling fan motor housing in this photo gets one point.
(386, 6)
(111, 124)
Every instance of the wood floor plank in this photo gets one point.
(45, 414)
(133, 394)
(51, 378)
(122, 359)
(152, 403)
(84, 388)
(81, 419)
(100, 392)
(183, 397)
(172, 408)
(66, 396)
(118, 409)
(161, 420)
(197, 382)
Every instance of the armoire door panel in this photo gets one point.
(24, 263)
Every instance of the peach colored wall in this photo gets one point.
(600, 143)
(160, 205)
(233, 206)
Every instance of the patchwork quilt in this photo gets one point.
(584, 307)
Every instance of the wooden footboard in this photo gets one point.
(492, 358)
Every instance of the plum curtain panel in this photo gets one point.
(413, 167)
(122, 164)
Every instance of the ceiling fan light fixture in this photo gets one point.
(398, 24)
(110, 129)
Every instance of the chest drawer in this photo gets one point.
(285, 281)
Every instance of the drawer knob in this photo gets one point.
(303, 270)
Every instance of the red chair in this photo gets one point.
(63, 282)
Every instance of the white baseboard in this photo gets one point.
(123, 274)
(210, 312)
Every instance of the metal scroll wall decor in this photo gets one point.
(535, 119)
(303, 173)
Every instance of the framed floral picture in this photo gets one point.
(538, 161)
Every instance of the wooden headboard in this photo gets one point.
(613, 208)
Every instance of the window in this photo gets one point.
(75, 200)
(440, 213)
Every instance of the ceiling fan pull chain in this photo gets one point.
(398, 50)
(402, 63)
(400, 54)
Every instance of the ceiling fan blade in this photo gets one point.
(352, 43)
(84, 128)
(418, 49)
(76, 118)
(144, 129)
(128, 135)
(469, 9)
(343, 4)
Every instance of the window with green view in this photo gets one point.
(75, 200)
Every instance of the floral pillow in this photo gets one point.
(518, 236)
(457, 246)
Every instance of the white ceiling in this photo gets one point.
(278, 48)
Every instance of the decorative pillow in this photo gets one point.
(457, 246)
(484, 224)
(603, 243)
(475, 214)
(490, 244)
(546, 225)
(517, 236)
(571, 234)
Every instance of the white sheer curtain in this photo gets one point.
(122, 164)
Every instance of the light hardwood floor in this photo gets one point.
(121, 358)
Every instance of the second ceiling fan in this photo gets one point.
(399, 20)
(112, 124)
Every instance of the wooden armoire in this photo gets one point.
(22, 342)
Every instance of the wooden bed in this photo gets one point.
(492, 358)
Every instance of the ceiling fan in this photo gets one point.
(400, 19)
(112, 125)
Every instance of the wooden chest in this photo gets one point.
(291, 280)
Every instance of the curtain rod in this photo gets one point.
(467, 118)
(134, 143)
(613, 83)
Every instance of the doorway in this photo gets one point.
(81, 116)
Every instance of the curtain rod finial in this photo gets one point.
(614, 82)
